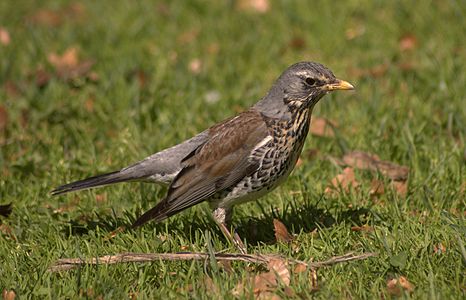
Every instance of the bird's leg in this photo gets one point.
(223, 217)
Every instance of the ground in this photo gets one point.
(89, 87)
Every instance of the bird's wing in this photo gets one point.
(221, 162)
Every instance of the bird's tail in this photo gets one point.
(99, 180)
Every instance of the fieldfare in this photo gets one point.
(234, 161)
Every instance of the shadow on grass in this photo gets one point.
(256, 230)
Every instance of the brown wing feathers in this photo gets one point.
(219, 163)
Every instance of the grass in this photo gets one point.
(408, 108)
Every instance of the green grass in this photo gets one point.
(414, 117)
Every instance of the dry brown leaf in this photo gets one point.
(67, 60)
(364, 228)
(195, 66)
(377, 188)
(68, 66)
(373, 72)
(89, 105)
(8, 294)
(101, 197)
(367, 161)
(299, 268)
(213, 48)
(133, 295)
(115, 232)
(210, 286)
(53, 18)
(344, 180)
(297, 43)
(265, 284)
(395, 286)
(401, 187)
(11, 88)
(42, 77)
(260, 6)
(407, 42)
(5, 39)
(6, 230)
(439, 249)
(280, 267)
(322, 127)
(268, 296)
(188, 37)
(281, 232)
(3, 117)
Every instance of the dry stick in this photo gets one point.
(71, 263)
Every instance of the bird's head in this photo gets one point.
(301, 86)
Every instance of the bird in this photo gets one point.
(237, 160)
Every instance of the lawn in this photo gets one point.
(89, 87)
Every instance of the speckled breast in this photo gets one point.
(276, 159)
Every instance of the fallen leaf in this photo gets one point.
(133, 295)
(42, 77)
(213, 48)
(407, 42)
(68, 66)
(299, 268)
(89, 105)
(188, 37)
(372, 72)
(210, 286)
(6, 230)
(395, 286)
(297, 43)
(322, 127)
(264, 284)
(115, 232)
(367, 161)
(3, 117)
(364, 228)
(260, 6)
(67, 60)
(405, 284)
(5, 39)
(101, 197)
(53, 18)
(195, 66)
(377, 188)
(11, 88)
(344, 180)
(280, 267)
(281, 233)
(5, 210)
(439, 249)
(8, 294)
(401, 187)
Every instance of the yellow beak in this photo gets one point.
(338, 85)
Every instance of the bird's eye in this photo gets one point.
(310, 81)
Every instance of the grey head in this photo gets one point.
(300, 86)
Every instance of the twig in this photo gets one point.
(71, 263)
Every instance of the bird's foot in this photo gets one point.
(234, 238)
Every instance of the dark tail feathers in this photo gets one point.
(91, 182)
